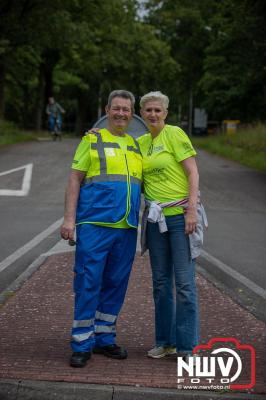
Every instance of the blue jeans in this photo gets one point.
(173, 270)
(54, 123)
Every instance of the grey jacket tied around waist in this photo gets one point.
(153, 212)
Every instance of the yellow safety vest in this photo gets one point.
(112, 186)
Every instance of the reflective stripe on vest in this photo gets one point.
(135, 149)
(101, 145)
(117, 175)
(111, 178)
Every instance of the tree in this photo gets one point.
(114, 50)
(234, 79)
(34, 26)
(183, 26)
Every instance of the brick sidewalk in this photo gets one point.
(35, 326)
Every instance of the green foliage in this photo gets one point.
(234, 79)
(247, 146)
(79, 50)
(183, 26)
(221, 50)
(10, 133)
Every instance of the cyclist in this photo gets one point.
(54, 112)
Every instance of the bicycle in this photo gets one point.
(55, 127)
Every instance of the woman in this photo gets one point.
(170, 178)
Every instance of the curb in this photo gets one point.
(24, 276)
(44, 390)
(17, 283)
(237, 288)
(15, 389)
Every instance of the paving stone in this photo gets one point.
(35, 327)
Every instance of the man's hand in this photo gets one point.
(190, 220)
(92, 131)
(72, 192)
(67, 230)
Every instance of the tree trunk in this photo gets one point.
(190, 112)
(40, 97)
(48, 76)
(2, 87)
(82, 114)
(50, 58)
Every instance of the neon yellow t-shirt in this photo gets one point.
(82, 162)
(82, 159)
(163, 175)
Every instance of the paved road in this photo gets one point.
(235, 200)
(23, 218)
(234, 197)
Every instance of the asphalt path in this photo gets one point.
(235, 200)
(234, 197)
(24, 217)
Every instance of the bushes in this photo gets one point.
(10, 133)
(247, 146)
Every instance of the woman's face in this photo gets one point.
(154, 114)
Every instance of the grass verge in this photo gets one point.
(247, 146)
(10, 134)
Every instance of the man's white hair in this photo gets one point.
(157, 96)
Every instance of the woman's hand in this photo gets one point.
(190, 219)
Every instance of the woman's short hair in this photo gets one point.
(125, 94)
(157, 96)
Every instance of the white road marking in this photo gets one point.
(26, 183)
(41, 236)
(28, 246)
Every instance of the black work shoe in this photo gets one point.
(112, 351)
(79, 359)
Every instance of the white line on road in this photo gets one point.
(28, 246)
(234, 274)
(25, 188)
(213, 260)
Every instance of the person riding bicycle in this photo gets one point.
(54, 112)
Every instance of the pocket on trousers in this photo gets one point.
(78, 282)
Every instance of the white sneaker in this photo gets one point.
(159, 352)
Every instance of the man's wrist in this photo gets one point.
(69, 220)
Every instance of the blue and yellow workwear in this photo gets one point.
(109, 198)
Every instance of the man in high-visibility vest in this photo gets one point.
(102, 202)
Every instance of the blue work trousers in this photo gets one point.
(104, 257)
(174, 288)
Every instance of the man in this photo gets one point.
(54, 112)
(103, 199)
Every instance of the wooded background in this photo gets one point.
(208, 52)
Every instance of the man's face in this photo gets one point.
(119, 114)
